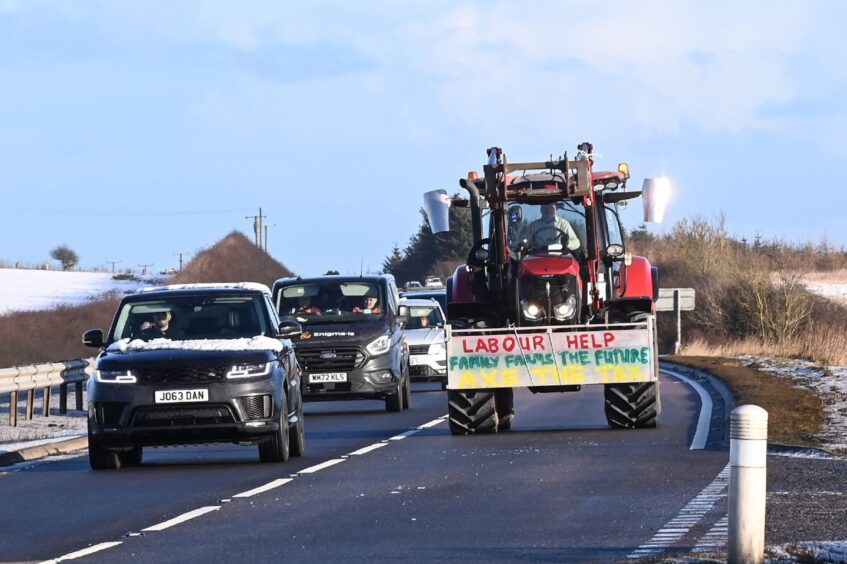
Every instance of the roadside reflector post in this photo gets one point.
(748, 452)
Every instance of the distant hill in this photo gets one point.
(35, 337)
(232, 259)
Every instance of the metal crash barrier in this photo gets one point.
(44, 377)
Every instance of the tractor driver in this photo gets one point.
(548, 229)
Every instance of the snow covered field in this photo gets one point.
(29, 290)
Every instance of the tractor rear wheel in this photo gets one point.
(632, 406)
(472, 412)
(504, 401)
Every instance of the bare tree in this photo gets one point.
(65, 255)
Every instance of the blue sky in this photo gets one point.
(135, 130)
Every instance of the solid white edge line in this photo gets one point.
(367, 449)
(699, 441)
(267, 487)
(182, 518)
(321, 466)
(84, 552)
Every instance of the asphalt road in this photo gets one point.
(560, 486)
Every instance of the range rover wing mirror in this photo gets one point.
(288, 329)
(93, 338)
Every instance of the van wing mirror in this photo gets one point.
(437, 210)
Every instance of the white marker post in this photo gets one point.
(748, 452)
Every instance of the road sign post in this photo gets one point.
(676, 300)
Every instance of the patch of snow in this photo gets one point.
(207, 285)
(57, 436)
(35, 290)
(260, 343)
(811, 551)
(828, 382)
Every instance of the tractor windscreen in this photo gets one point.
(543, 224)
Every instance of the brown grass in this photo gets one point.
(55, 336)
(795, 415)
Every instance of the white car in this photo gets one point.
(424, 330)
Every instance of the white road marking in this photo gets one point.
(689, 516)
(83, 552)
(433, 423)
(267, 487)
(402, 436)
(321, 466)
(705, 418)
(367, 449)
(182, 518)
(716, 538)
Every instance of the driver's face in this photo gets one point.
(548, 211)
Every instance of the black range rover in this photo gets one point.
(196, 363)
(352, 345)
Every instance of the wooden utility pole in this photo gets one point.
(180, 259)
(258, 221)
(113, 263)
(144, 267)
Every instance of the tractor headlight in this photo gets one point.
(249, 370)
(115, 376)
(531, 311)
(566, 309)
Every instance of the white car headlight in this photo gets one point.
(531, 311)
(566, 309)
(249, 370)
(438, 348)
(115, 376)
(379, 346)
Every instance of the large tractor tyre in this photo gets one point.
(471, 412)
(504, 402)
(394, 402)
(297, 434)
(277, 448)
(632, 406)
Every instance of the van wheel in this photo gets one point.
(394, 402)
(100, 458)
(131, 457)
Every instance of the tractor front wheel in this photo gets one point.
(632, 406)
(472, 412)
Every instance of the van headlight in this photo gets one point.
(249, 370)
(531, 311)
(438, 349)
(379, 346)
(566, 309)
(115, 376)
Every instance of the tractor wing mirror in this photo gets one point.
(656, 193)
(437, 210)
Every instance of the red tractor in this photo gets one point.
(549, 298)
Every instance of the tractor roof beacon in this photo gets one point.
(533, 307)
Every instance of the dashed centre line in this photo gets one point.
(84, 552)
(182, 518)
(267, 487)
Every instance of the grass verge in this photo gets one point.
(795, 415)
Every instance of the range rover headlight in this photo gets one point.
(531, 311)
(438, 349)
(115, 376)
(379, 346)
(566, 309)
(249, 370)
